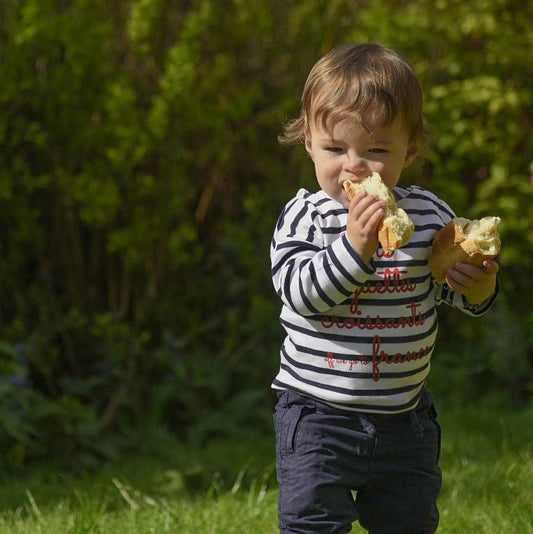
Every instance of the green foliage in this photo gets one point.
(140, 180)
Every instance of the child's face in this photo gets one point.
(352, 151)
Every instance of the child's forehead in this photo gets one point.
(350, 129)
(337, 122)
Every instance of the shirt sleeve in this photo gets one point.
(309, 276)
(445, 295)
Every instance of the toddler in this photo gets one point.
(356, 430)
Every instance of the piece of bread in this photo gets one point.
(396, 228)
(465, 240)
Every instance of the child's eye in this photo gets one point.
(378, 151)
(334, 149)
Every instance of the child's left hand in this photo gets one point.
(476, 283)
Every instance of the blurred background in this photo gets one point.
(141, 178)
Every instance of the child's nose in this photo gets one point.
(357, 165)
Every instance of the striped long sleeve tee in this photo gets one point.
(358, 336)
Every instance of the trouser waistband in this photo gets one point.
(370, 421)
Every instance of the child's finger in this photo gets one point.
(365, 207)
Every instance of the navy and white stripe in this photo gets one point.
(359, 336)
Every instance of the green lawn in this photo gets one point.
(229, 487)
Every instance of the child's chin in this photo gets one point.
(341, 198)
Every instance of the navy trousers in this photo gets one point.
(335, 467)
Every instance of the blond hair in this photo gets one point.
(354, 80)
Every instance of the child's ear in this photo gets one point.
(308, 143)
(412, 153)
(308, 146)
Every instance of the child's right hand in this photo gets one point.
(364, 219)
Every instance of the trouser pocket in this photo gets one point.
(287, 420)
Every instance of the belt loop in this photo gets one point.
(417, 427)
(366, 424)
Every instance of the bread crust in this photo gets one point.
(450, 246)
(389, 240)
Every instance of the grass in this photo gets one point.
(229, 487)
